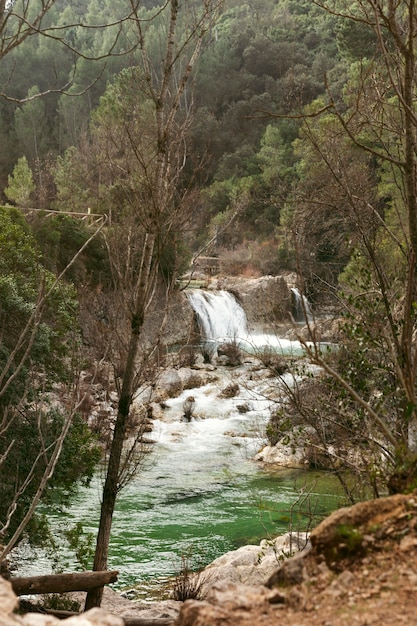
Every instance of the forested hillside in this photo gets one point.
(260, 62)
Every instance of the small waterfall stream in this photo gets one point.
(302, 308)
(220, 316)
(221, 319)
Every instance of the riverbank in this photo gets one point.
(361, 569)
(200, 491)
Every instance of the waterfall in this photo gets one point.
(301, 306)
(222, 319)
(219, 315)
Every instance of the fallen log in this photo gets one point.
(61, 583)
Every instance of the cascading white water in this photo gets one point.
(302, 308)
(221, 319)
(220, 316)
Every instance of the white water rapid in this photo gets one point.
(199, 492)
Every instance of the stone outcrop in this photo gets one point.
(102, 313)
(360, 569)
(283, 454)
(265, 300)
(254, 564)
(231, 604)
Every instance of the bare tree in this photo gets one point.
(18, 22)
(376, 120)
(158, 202)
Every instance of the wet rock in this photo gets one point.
(282, 454)
(264, 299)
(229, 354)
(230, 391)
(168, 384)
(191, 378)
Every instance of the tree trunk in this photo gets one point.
(111, 485)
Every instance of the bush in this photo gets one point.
(188, 584)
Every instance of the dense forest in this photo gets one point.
(279, 135)
(260, 62)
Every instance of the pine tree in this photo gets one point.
(21, 184)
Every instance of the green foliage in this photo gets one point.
(81, 544)
(60, 602)
(276, 156)
(60, 238)
(355, 40)
(27, 440)
(352, 205)
(36, 351)
(21, 184)
(30, 362)
(22, 279)
(78, 461)
(71, 180)
(404, 477)
(272, 57)
(189, 583)
(364, 358)
(31, 124)
(174, 257)
(348, 541)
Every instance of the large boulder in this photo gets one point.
(168, 384)
(282, 455)
(254, 564)
(265, 300)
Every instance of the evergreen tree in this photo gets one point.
(21, 184)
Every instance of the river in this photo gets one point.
(200, 493)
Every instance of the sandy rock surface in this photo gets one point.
(361, 570)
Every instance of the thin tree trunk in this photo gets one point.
(111, 485)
